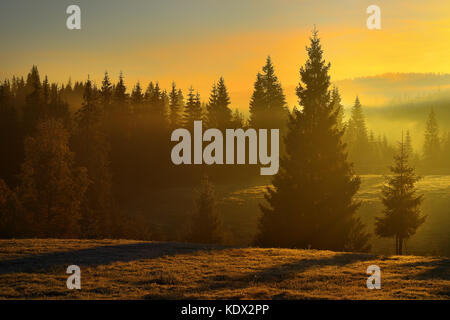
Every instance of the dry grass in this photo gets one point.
(35, 269)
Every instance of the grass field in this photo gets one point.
(238, 206)
(240, 212)
(119, 269)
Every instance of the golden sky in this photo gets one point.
(195, 42)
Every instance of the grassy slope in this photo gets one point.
(35, 269)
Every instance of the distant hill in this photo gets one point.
(385, 89)
(122, 269)
(396, 102)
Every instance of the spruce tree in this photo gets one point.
(312, 200)
(58, 108)
(120, 97)
(175, 106)
(206, 226)
(106, 91)
(268, 107)
(219, 115)
(157, 104)
(149, 92)
(34, 106)
(192, 110)
(224, 114)
(402, 214)
(258, 104)
(338, 108)
(92, 152)
(432, 144)
(52, 188)
(237, 120)
(46, 91)
(137, 97)
(357, 139)
(212, 108)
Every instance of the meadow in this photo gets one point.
(127, 269)
(123, 269)
(238, 206)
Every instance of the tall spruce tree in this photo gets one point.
(312, 200)
(92, 152)
(402, 215)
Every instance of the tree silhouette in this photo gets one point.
(175, 105)
(33, 109)
(205, 224)
(402, 215)
(192, 110)
(106, 92)
(219, 115)
(311, 203)
(268, 104)
(432, 145)
(52, 188)
(137, 97)
(92, 152)
(338, 108)
(357, 138)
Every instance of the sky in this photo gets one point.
(194, 42)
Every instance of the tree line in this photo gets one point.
(74, 172)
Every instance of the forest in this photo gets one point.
(86, 160)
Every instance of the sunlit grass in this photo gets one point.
(138, 270)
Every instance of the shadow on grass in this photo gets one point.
(102, 255)
(286, 271)
(437, 269)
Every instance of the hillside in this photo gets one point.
(121, 269)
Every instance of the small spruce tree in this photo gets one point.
(206, 226)
(402, 214)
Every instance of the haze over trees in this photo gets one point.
(89, 161)
(432, 144)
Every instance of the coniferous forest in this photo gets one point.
(92, 161)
